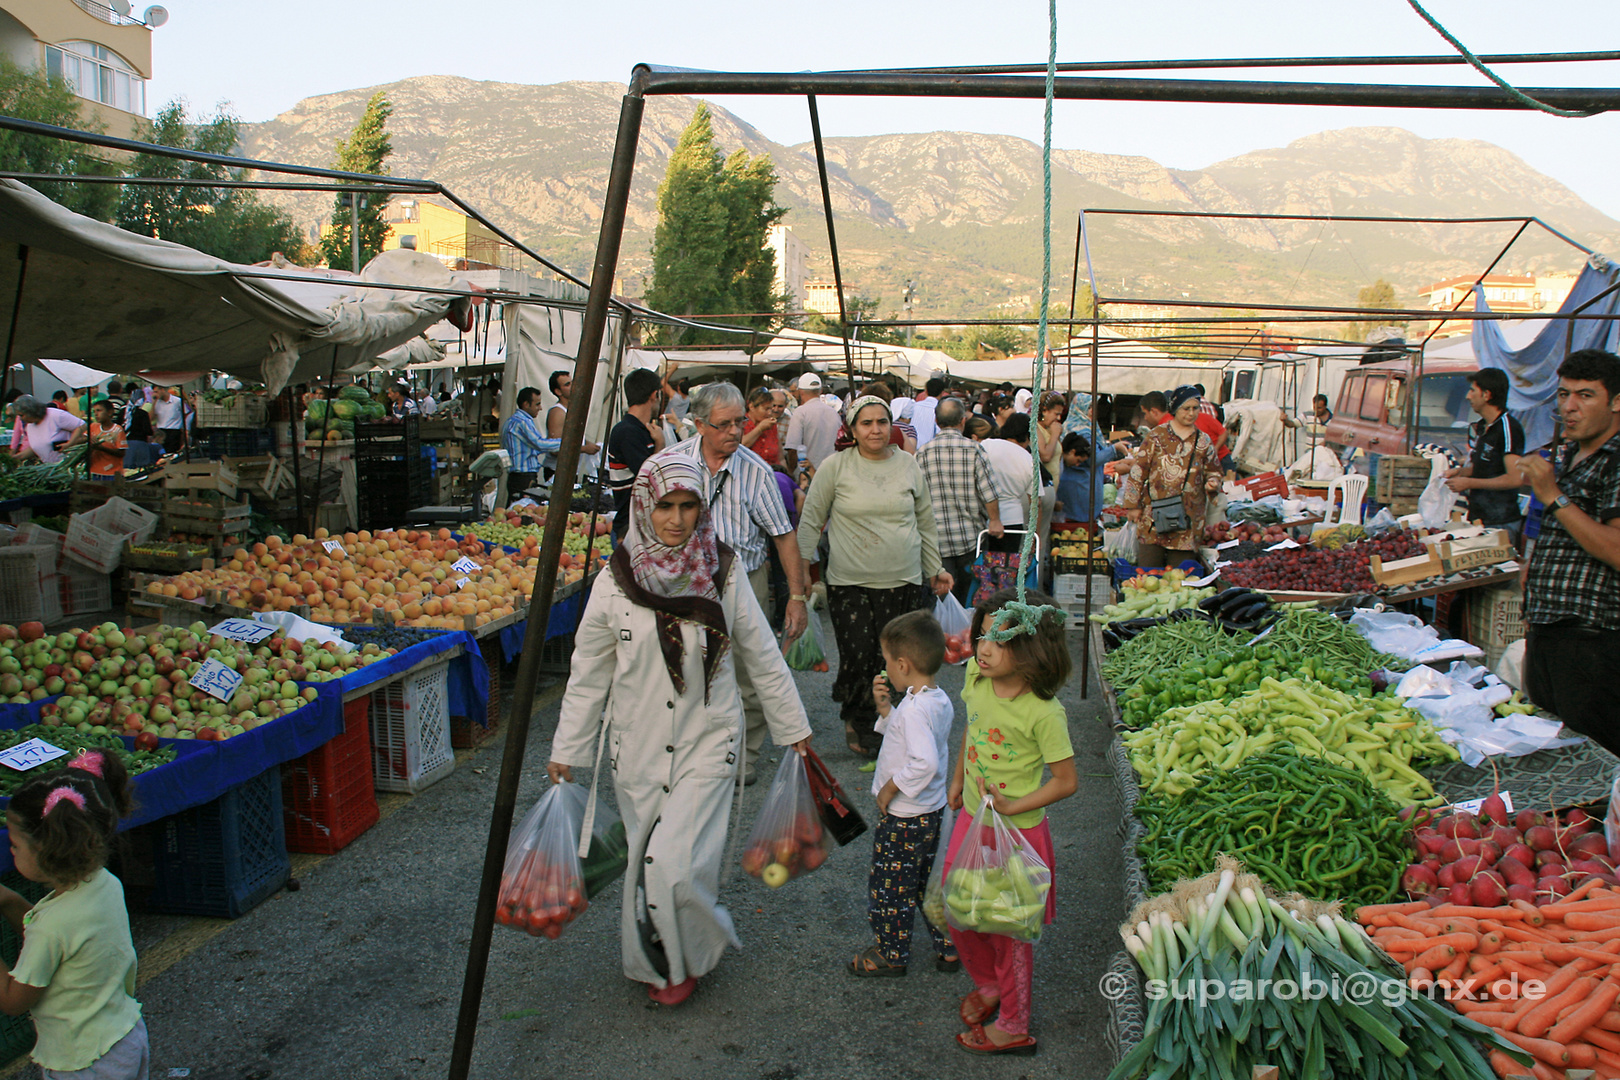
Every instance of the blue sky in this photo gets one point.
(262, 63)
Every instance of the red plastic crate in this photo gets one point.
(1271, 483)
(327, 796)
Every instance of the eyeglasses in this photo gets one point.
(730, 425)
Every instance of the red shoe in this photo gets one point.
(978, 1041)
(673, 994)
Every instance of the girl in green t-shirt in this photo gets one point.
(1016, 732)
(76, 971)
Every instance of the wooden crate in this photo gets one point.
(89, 494)
(210, 520)
(211, 476)
(165, 558)
(1406, 571)
(442, 429)
(264, 476)
(1400, 478)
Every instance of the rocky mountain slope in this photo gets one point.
(961, 211)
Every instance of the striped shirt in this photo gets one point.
(962, 485)
(523, 441)
(744, 502)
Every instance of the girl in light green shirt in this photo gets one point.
(76, 971)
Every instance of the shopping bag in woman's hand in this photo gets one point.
(806, 654)
(838, 814)
(933, 902)
(609, 852)
(788, 839)
(542, 885)
(998, 883)
(956, 621)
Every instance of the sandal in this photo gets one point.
(852, 739)
(978, 1041)
(949, 965)
(975, 1010)
(871, 964)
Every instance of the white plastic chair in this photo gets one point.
(1353, 488)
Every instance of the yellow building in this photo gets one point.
(448, 235)
(103, 52)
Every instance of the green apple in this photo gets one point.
(775, 875)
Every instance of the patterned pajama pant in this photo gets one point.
(902, 858)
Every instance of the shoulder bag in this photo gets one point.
(1170, 512)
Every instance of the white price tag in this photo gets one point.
(333, 547)
(25, 755)
(1472, 805)
(465, 565)
(1228, 544)
(243, 630)
(1199, 583)
(216, 679)
(463, 582)
(1284, 545)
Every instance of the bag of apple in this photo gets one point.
(998, 883)
(788, 837)
(542, 884)
(933, 902)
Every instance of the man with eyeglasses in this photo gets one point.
(746, 507)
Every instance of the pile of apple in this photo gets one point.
(509, 530)
(540, 897)
(407, 574)
(126, 682)
(794, 851)
(1489, 861)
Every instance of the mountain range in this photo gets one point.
(960, 212)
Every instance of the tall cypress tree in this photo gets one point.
(710, 253)
(366, 150)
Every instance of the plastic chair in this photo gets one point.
(1353, 488)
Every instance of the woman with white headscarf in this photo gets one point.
(657, 648)
(884, 548)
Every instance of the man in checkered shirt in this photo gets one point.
(748, 513)
(963, 491)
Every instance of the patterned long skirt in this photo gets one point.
(858, 617)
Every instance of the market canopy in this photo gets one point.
(1124, 366)
(90, 292)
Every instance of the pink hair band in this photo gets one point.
(88, 761)
(59, 795)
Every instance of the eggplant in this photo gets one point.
(1247, 612)
(1220, 599)
(1239, 602)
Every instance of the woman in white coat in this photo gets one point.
(657, 649)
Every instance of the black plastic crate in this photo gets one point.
(222, 858)
(236, 442)
(395, 439)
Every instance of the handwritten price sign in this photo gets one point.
(333, 547)
(243, 630)
(217, 680)
(26, 755)
(463, 582)
(464, 565)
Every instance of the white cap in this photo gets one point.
(809, 381)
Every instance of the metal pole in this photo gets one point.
(1068, 344)
(832, 243)
(615, 202)
(354, 230)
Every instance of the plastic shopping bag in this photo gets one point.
(788, 837)
(956, 621)
(806, 654)
(998, 884)
(933, 902)
(542, 884)
(609, 854)
(1120, 543)
(1437, 500)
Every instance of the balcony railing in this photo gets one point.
(106, 14)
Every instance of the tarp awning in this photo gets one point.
(93, 293)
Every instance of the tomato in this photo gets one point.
(576, 900)
(539, 920)
(553, 931)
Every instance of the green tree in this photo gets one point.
(710, 253)
(1380, 295)
(30, 95)
(228, 222)
(859, 308)
(366, 150)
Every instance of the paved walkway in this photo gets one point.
(358, 973)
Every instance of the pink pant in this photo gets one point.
(1000, 966)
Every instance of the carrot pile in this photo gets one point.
(1545, 978)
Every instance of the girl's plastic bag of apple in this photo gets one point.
(788, 837)
(998, 883)
(933, 902)
(542, 885)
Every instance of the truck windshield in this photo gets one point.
(1444, 403)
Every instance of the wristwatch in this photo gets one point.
(1560, 503)
(800, 599)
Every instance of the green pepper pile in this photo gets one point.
(1224, 675)
(1303, 824)
(71, 740)
(1162, 647)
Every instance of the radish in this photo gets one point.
(1465, 868)
(1489, 890)
(1419, 881)
(1521, 891)
(1432, 862)
(1590, 844)
(1461, 895)
(1516, 873)
(1529, 819)
(1446, 876)
(1552, 888)
(1548, 858)
(1520, 853)
(1587, 866)
(1494, 808)
(1578, 816)
(1432, 843)
(1438, 899)
(1541, 838)
(1505, 836)
(1490, 851)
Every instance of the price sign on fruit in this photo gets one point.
(463, 582)
(217, 680)
(243, 630)
(333, 547)
(465, 565)
(25, 755)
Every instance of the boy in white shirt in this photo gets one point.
(910, 785)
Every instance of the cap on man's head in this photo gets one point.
(809, 381)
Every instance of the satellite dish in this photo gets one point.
(154, 16)
(121, 6)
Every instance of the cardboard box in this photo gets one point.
(1487, 549)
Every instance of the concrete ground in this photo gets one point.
(358, 973)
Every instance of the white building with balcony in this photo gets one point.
(103, 52)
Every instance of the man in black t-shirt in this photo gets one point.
(1493, 495)
(633, 440)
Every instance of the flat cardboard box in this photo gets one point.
(1487, 549)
